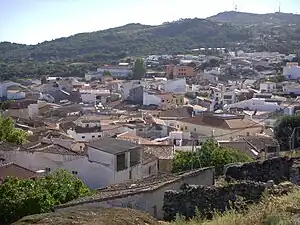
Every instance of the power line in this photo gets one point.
(256, 123)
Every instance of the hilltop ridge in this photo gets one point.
(244, 18)
(278, 32)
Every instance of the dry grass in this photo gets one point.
(90, 216)
(271, 211)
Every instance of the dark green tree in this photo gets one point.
(107, 73)
(283, 130)
(210, 154)
(139, 69)
(44, 80)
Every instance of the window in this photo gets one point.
(185, 128)
(87, 125)
(121, 162)
(74, 172)
(135, 157)
(99, 136)
(130, 174)
(149, 170)
(93, 136)
(83, 137)
(162, 100)
(195, 129)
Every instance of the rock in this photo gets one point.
(276, 169)
(270, 183)
(207, 200)
(90, 216)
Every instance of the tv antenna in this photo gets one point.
(234, 7)
(279, 7)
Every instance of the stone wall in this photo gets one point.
(207, 200)
(149, 197)
(276, 169)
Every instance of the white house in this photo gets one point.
(291, 71)
(122, 160)
(258, 104)
(291, 87)
(100, 163)
(127, 86)
(94, 96)
(177, 86)
(229, 97)
(151, 99)
(85, 129)
(267, 87)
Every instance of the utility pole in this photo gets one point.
(292, 139)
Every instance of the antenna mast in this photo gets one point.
(234, 7)
(279, 7)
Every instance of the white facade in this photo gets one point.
(267, 87)
(110, 162)
(96, 170)
(127, 86)
(258, 104)
(89, 135)
(176, 86)
(291, 88)
(94, 96)
(150, 99)
(291, 71)
(229, 97)
(84, 137)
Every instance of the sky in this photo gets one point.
(35, 21)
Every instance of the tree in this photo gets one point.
(63, 186)
(5, 105)
(139, 69)
(44, 80)
(11, 134)
(19, 198)
(107, 73)
(210, 154)
(283, 130)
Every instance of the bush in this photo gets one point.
(19, 198)
(210, 154)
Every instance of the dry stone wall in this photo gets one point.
(246, 184)
(276, 169)
(207, 200)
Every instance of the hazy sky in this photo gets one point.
(33, 21)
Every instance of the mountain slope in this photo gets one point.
(133, 39)
(231, 30)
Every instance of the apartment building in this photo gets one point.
(180, 71)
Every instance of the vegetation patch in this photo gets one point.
(272, 210)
